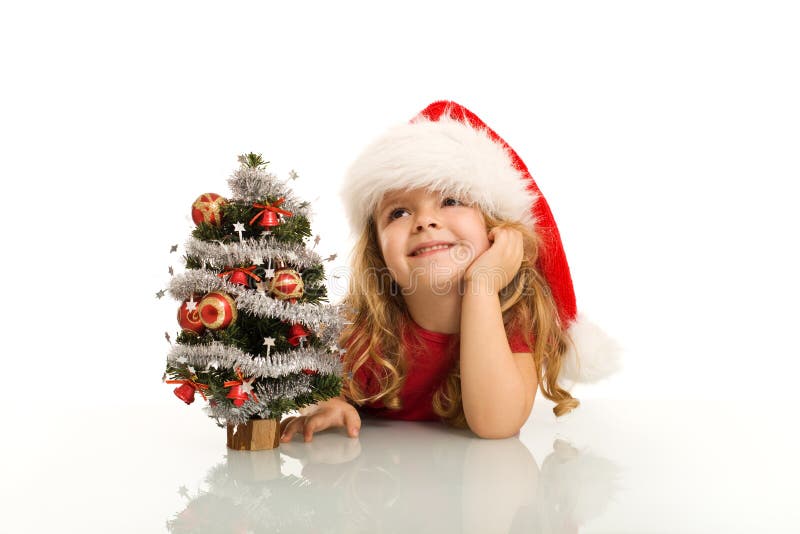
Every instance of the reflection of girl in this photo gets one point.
(416, 478)
(573, 488)
(460, 299)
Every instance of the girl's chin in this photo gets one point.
(436, 285)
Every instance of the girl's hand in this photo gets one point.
(496, 267)
(330, 413)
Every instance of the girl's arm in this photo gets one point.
(497, 387)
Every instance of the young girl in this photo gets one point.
(460, 302)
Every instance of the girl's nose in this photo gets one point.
(426, 218)
(430, 224)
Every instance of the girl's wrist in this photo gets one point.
(479, 285)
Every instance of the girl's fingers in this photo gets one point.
(313, 424)
(308, 424)
(503, 236)
(510, 240)
(503, 259)
(286, 422)
(352, 422)
(506, 241)
(289, 426)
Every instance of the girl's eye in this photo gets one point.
(394, 213)
(450, 201)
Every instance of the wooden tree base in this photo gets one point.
(256, 435)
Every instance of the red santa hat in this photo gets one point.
(447, 148)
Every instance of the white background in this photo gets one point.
(664, 135)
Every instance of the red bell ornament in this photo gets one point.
(207, 209)
(239, 393)
(269, 213)
(269, 219)
(217, 310)
(240, 275)
(236, 395)
(287, 284)
(185, 392)
(190, 320)
(297, 332)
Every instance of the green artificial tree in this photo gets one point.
(258, 338)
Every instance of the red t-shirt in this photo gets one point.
(428, 365)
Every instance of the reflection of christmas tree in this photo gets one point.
(237, 501)
(257, 340)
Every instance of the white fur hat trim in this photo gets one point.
(445, 155)
(597, 353)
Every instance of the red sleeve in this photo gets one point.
(517, 343)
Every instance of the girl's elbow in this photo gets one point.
(495, 426)
(497, 435)
(489, 432)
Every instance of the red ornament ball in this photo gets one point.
(217, 310)
(190, 320)
(287, 284)
(207, 209)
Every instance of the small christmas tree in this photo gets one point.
(257, 339)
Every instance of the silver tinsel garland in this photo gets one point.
(289, 388)
(313, 316)
(253, 184)
(276, 365)
(228, 254)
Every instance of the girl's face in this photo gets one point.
(428, 241)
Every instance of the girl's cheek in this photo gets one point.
(386, 245)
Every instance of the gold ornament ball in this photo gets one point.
(287, 284)
(217, 310)
(207, 209)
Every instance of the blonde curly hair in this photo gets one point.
(377, 317)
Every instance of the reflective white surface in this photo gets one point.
(613, 466)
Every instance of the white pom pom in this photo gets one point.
(597, 354)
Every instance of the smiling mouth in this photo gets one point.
(430, 250)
